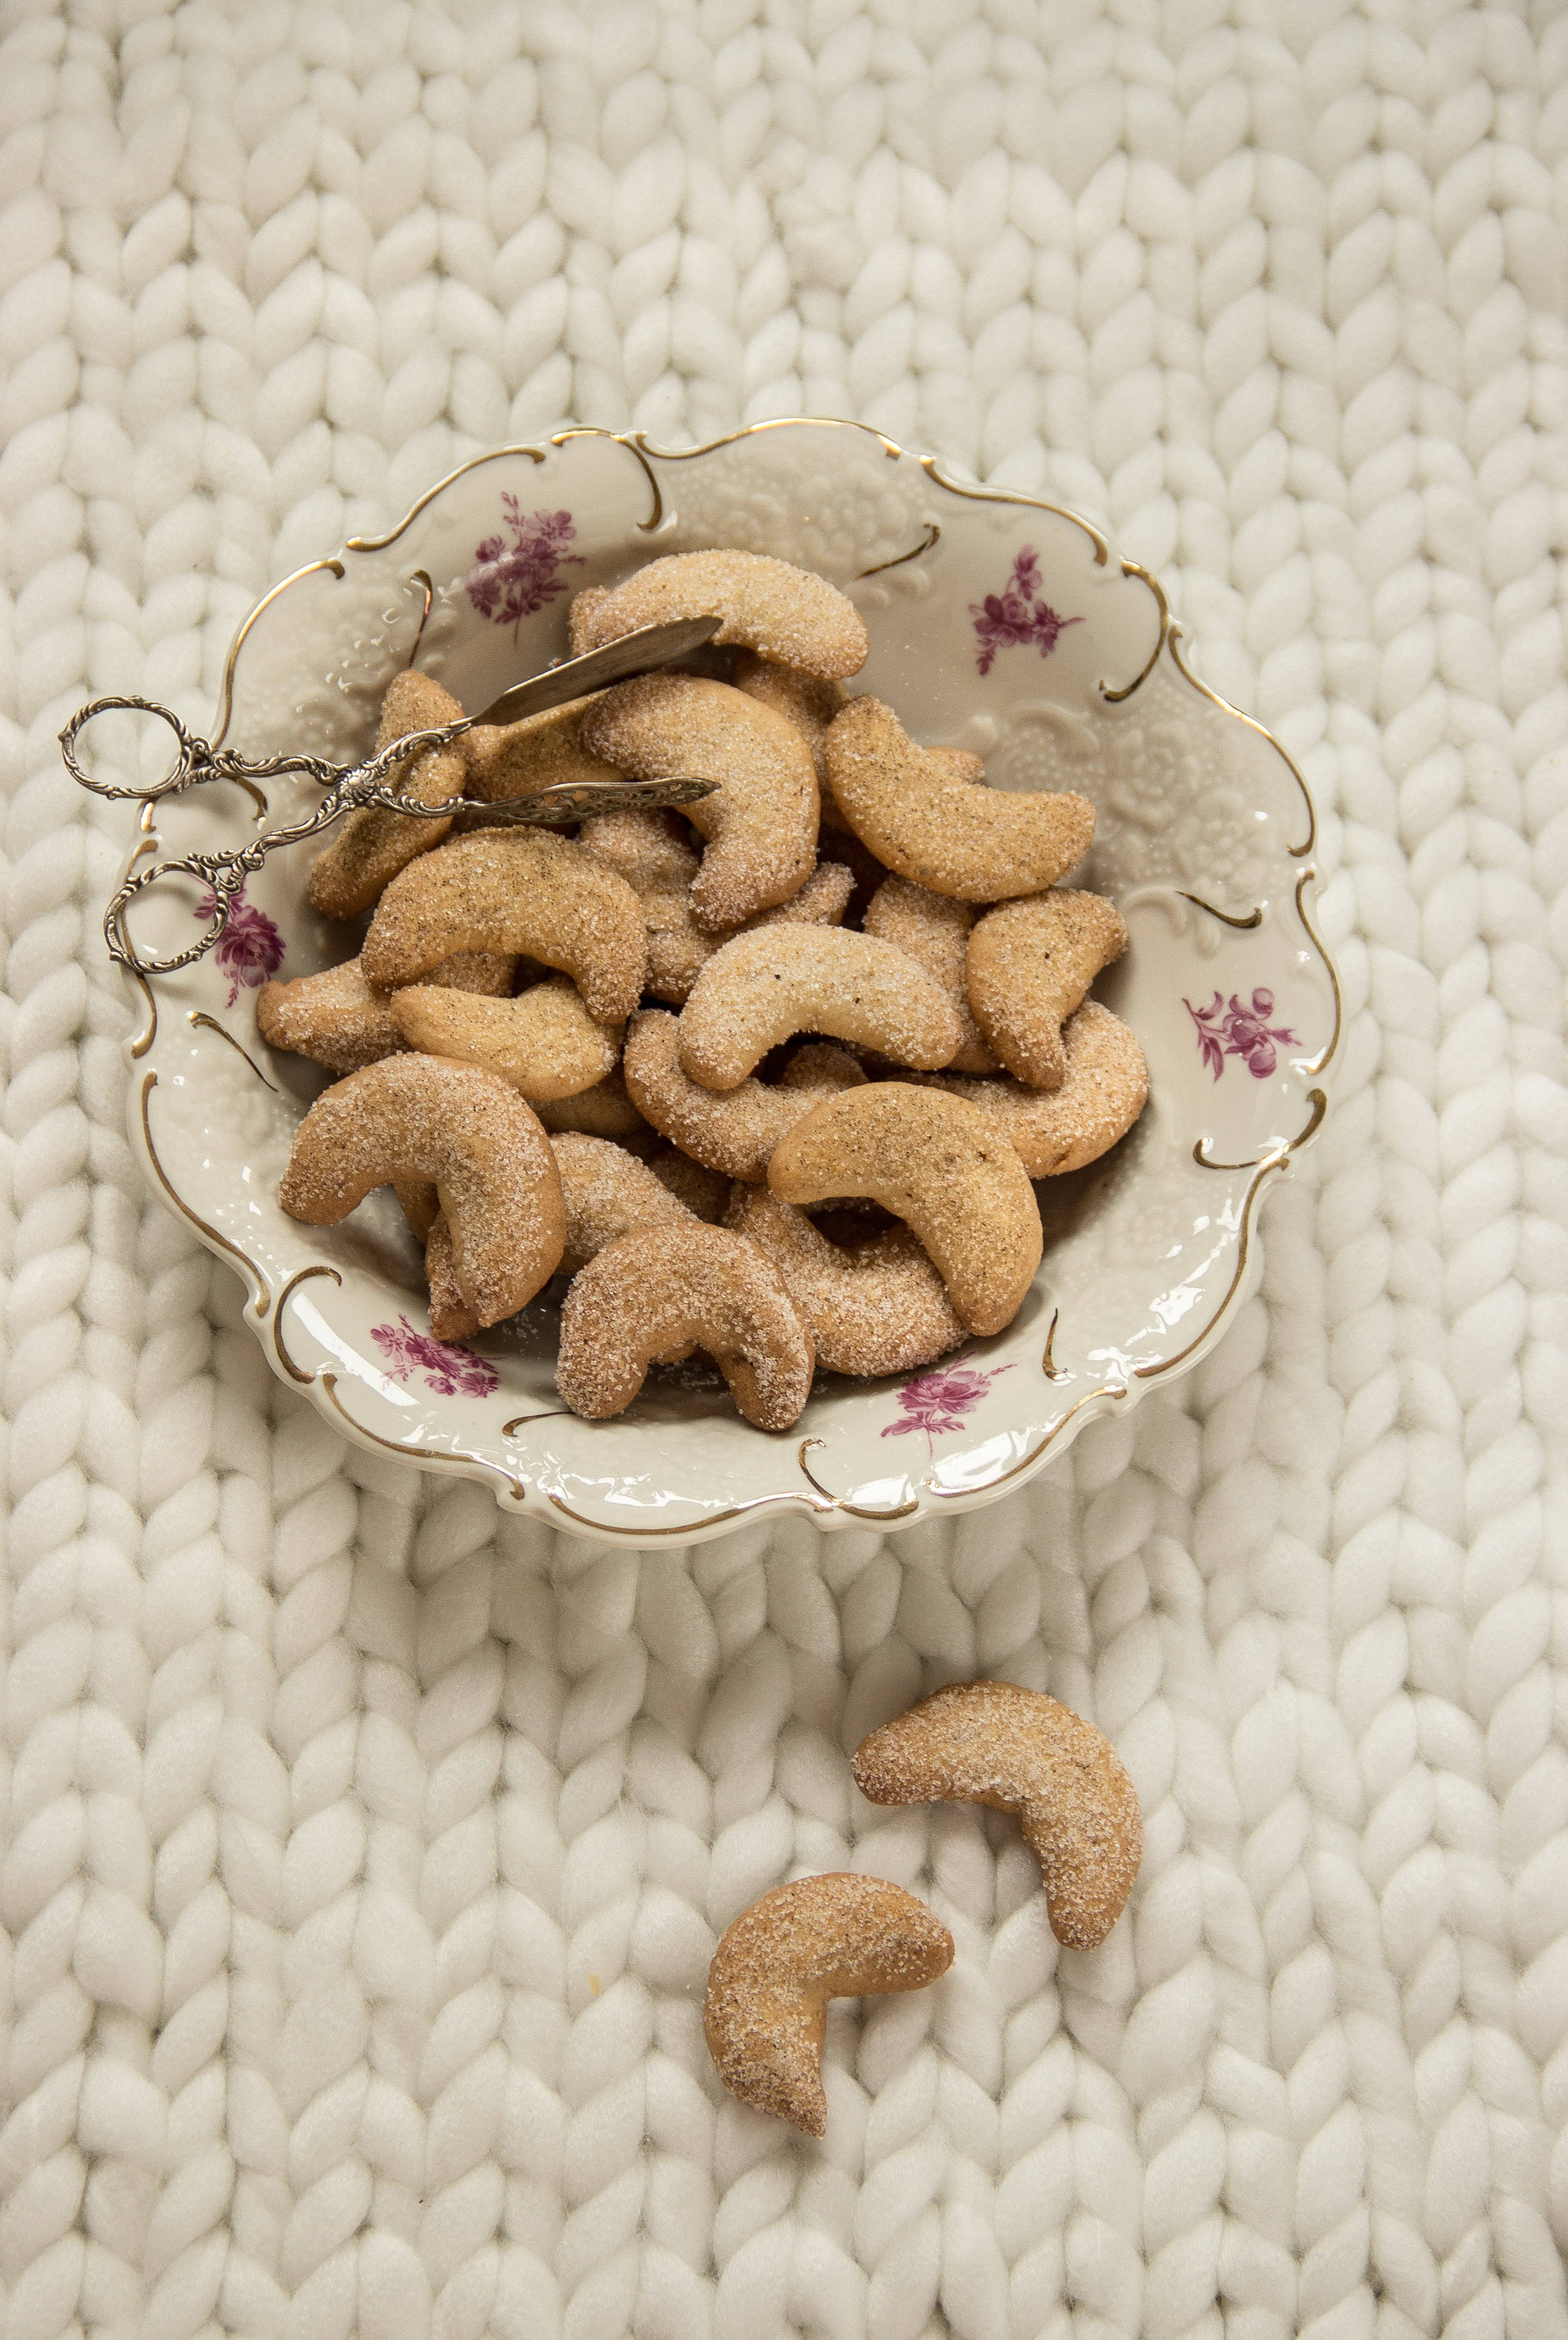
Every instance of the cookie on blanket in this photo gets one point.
(419, 1119)
(761, 824)
(776, 1968)
(789, 615)
(1029, 965)
(763, 988)
(664, 1291)
(497, 891)
(874, 1306)
(374, 843)
(1017, 1751)
(734, 1131)
(937, 1163)
(977, 843)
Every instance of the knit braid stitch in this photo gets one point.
(365, 1850)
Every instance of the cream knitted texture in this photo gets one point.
(365, 1848)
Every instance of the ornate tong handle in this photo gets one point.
(354, 786)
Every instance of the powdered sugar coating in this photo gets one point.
(978, 844)
(423, 1119)
(664, 1290)
(991, 1743)
(1029, 965)
(373, 844)
(876, 1307)
(936, 1162)
(763, 988)
(777, 1967)
(760, 825)
(737, 1131)
(934, 929)
(788, 614)
(531, 894)
(1103, 1089)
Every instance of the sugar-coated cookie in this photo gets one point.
(764, 2014)
(417, 1119)
(337, 1020)
(666, 1290)
(373, 844)
(762, 823)
(495, 891)
(603, 1111)
(1103, 1089)
(788, 614)
(608, 1194)
(451, 1316)
(936, 1162)
(1029, 965)
(736, 1131)
(877, 1306)
(544, 1042)
(993, 1742)
(704, 1192)
(763, 988)
(513, 759)
(933, 928)
(978, 844)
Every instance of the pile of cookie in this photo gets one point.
(769, 1080)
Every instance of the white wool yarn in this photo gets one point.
(365, 1850)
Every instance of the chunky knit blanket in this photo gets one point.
(365, 1851)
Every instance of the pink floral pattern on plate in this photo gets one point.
(511, 581)
(250, 947)
(1232, 1030)
(449, 1372)
(937, 1401)
(1017, 614)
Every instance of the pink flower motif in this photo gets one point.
(1017, 614)
(448, 1371)
(937, 1401)
(1232, 1030)
(250, 947)
(508, 582)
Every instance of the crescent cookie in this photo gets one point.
(763, 988)
(1017, 1751)
(705, 1192)
(760, 825)
(788, 614)
(659, 867)
(937, 1163)
(603, 1111)
(977, 843)
(373, 844)
(1029, 965)
(529, 893)
(664, 1290)
(1103, 1089)
(544, 1042)
(514, 759)
(877, 1306)
(419, 1119)
(935, 930)
(764, 2013)
(734, 1132)
(335, 1017)
(608, 1194)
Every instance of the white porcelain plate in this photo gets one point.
(997, 624)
